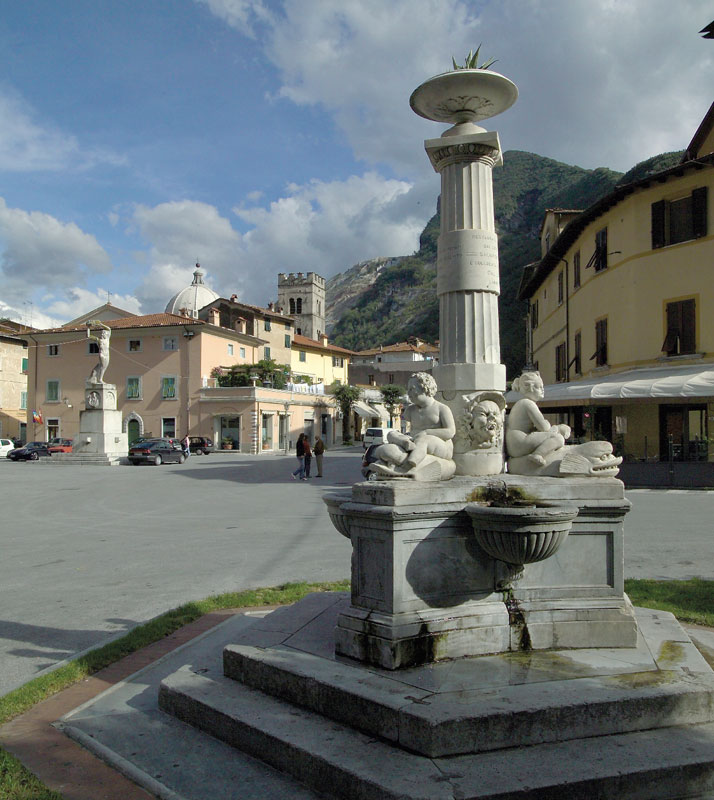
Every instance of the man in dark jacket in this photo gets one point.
(319, 450)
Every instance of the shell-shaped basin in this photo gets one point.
(338, 518)
(521, 535)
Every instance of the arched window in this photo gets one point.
(299, 305)
(292, 305)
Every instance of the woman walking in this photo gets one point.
(300, 453)
(308, 457)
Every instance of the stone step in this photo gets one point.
(330, 757)
(476, 720)
(62, 459)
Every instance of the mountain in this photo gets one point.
(383, 301)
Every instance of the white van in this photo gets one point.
(374, 436)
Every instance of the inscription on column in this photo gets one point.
(467, 261)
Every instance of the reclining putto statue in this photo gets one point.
(535, 447)
(425, 453)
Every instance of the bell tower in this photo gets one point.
(303, 297)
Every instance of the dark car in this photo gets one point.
(200, 445)
(156, 451)
(368, 458)
(30, 452)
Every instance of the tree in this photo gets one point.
(346, 397)
(392, 398)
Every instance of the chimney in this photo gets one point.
(234, 298)
(240, 325)
(214, 316)
(323, 339)
(270, 306)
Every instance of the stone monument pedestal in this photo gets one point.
(100, 438)
(423, 590)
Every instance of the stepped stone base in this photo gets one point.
(85, 459)
(592, 723)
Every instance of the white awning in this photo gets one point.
(692, 380)
(365, 411)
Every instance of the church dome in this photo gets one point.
(188, 301)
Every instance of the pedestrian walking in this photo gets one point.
(300, 453)
(319, 450)
(186, 445)
(308, 457)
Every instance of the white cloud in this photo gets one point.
(244, 15)
(323, 227)
(39, 251)
(78, 301)
(602, 83)
(26, 145)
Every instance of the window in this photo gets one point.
(168, 387)
(560, 362)
(576, 270)
(292, 305)
(171, 343)
(267, 324)
(390, 377)
(600, 354)
(337, 361)
(560, 287)
(241, 352)
(287, 340)
(133, 388)
(298, 306)
(168, 427)
(534, 315)
(53, 349)
(134, 345)
(578, 358)
(601, 250)
(303, 355)
(679, 220)
(52, 393)
(92, 348)
(266, 351)
(681, 328)
(23, 400)
(370, 379)
(230, 349)
(24, 365)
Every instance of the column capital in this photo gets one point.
(447, 150)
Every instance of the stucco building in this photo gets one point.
(620, 320)
(14, 364)
(393, 363)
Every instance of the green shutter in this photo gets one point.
(658, 210)
(699, 212)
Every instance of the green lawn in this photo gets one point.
(690, 601)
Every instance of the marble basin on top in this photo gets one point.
(465, 95)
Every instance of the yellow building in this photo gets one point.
(319, 362)
(620, 320)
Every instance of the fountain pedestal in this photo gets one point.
(423, 590)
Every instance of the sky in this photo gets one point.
(138, 137)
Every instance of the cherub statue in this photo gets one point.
(425, 453)
(97, 374)
(535, 447)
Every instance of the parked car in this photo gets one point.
(58, 445)
(200, 445)
(6, 445)
(374, 436)
(367, 459)
(156, 451)
(30, 452)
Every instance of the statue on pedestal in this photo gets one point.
(97, 374)
(425, 453)
(535, 447)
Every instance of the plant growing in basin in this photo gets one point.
(517, 528)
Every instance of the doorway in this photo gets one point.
(683, 433)
(228, 428)
(133, 430)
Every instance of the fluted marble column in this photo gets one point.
(470, 376)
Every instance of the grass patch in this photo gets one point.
(690, 601)
(17, 783)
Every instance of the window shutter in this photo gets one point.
(699, 212)
(658, 224)
(688, 342)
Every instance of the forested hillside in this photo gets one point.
(386, 300)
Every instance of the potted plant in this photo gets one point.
(226, 443)
(517, 528)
